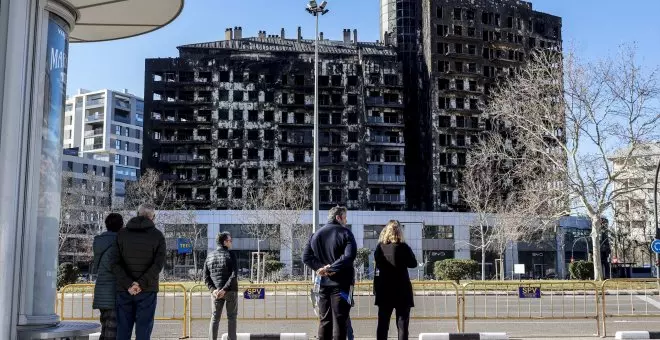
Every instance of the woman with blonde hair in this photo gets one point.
(392, 285)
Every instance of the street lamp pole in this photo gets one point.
(316, 10)
(655, 219)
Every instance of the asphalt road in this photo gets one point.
(553, 315)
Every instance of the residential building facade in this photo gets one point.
(633, 210)
(464, 47)
(224, 115)
(106, 125)
(86, 200)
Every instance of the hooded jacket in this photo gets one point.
(105, 256)
(142, 253)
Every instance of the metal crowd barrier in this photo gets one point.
(75, 303)
(531, 300)
(630, 298)
(434, 300)
(437, 300)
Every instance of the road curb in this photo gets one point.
(637, 335)
(268, 336)
(463, 336)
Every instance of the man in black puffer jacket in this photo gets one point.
(141, 259)
(221, 276)
(331, 252)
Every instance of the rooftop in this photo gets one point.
(277, 44)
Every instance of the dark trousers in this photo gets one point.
(138, 310)
(108, 324)
(402, 321)
(334, 312)
(231, 298)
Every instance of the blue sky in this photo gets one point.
(592, 27)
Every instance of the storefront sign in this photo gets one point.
(183, 246)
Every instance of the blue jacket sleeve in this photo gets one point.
(346, 260)
(309, 258)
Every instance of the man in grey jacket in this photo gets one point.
(105, 255)
(221, 277)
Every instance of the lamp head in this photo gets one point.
(312, 4)
(323, 4)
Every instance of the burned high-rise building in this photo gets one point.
(453, 52)
(225, 115)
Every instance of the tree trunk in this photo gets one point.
(258, 260)
(595, 240)
(483, 255)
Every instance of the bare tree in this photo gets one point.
(150, 188)
(574, 117)
(280, 202)
(85, 201)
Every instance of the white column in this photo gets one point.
(30, 176)
(511, 258)
(461, 242)
(286, 246)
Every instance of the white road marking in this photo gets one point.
(649, 300)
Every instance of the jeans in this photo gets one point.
(138, 310)
(231, 298)
(402, 321)
(349, 330)
(334, 312)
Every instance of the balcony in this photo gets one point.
(329, 160)
(371, 120)
(95, 132)
(95, 102)
(387, 178)
(184, 140)
(93, 147)
(387, 198)
(184, 158)
(381, 102)
(386, 140)
(94, 117)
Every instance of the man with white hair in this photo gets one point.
(142, 253)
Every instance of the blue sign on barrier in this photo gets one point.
(529, 292)
(255, 293)
(655, 246)
(184, 246)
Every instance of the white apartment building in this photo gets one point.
(633, 212)
(106, 125)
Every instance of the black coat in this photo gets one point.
(221, 270)
(392, 285)
(105, 256)
(141, 255)
(335, 245)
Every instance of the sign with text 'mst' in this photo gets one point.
(255, 293)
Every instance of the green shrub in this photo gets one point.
(455, 269)
(581, 270)
(67, 274)
(273, 266)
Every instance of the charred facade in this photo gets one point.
(225, 115)
(464, 48)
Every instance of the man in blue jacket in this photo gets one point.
(331, 252)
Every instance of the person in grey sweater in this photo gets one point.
(105, 255)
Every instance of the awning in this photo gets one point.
(102, 20)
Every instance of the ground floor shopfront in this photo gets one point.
(433, 236)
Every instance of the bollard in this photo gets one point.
(637, 335)
(268, 336)
(463, 336)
